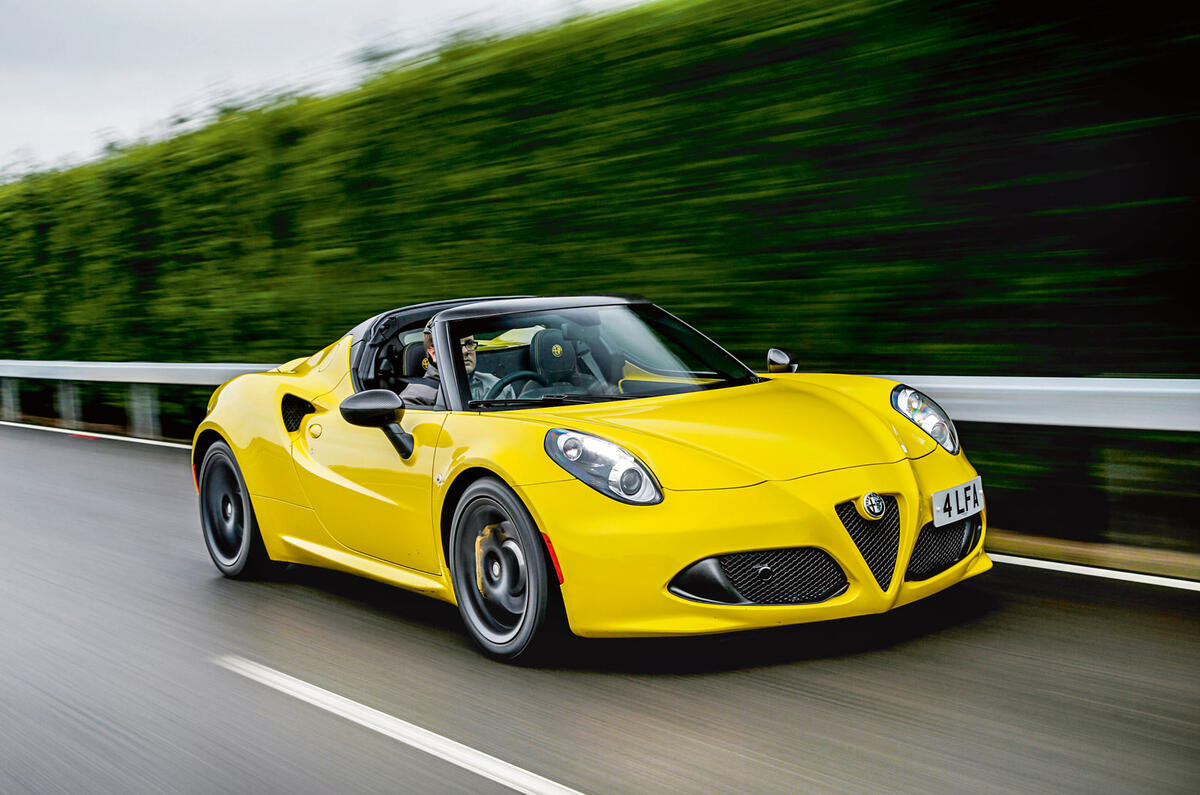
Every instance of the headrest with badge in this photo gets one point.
(551, 355)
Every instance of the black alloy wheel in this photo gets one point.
(227, 517)
(501, 575)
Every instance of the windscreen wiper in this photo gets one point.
(544, 400)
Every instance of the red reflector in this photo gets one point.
(83, 436)
(553, 558)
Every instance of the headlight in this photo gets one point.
(927, 414)
(607, 468)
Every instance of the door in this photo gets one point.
(367, 496)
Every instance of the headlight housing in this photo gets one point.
(929, 416)
(608, 468)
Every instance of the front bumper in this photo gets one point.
(617, 560)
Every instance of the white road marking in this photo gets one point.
(89, 434)
(453, 752)
(1093, 571)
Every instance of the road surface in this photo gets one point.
(113, 620)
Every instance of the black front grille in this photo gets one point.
(939, 548)
(801, 575)
(877, 540)
(293, 410)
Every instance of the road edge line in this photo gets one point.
(410, 734)
(1093, 571)
(90, 435)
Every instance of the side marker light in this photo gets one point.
(553, 558)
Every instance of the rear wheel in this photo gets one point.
(500, 572)
(227, 517)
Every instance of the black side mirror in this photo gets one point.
(373, 408)
(379, 408)
(780, 361)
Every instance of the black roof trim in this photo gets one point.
(376, 330)
(508, 306)
(363, 328)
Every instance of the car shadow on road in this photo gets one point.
(384, 601)
(960, 607)
(957, 608)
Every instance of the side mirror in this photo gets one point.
(379, 408)
(780, 361)
(374, 408)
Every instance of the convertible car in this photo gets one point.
(587, 463)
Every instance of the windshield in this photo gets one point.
(587, 354)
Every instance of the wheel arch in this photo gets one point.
(245, 413)
(207, 438)
(556, 620)
(454, 494)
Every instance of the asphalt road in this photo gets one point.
(112, 614)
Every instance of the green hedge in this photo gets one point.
(877, 186)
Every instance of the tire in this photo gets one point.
(227, 518)
(498, 565)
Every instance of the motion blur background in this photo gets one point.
(877, 187)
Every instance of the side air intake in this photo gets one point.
(293, 410)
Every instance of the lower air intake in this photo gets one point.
(877, 540)
(939, 548)
(800, 575)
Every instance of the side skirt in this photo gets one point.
(302, 551)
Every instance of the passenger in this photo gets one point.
(480, 383)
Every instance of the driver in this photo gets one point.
(480, 383)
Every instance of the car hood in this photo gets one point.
(779, 429)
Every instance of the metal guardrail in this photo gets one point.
(130, 372)
(1140, 403)
(143, 379)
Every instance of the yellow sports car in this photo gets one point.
(587, 461)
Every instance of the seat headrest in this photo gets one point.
(551, 355)
(415, 359)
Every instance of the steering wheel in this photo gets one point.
(508, 379)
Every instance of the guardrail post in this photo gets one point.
(68, 404)
(143, 409)
(10, 400)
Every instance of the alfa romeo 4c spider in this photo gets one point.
(591, 464)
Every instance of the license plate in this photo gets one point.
(950, 505)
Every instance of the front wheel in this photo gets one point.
(499, 569)
(227, 517)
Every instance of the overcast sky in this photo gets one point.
(75, 73)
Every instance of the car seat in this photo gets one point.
(416, 360)
(553, 357)
(387, 368)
